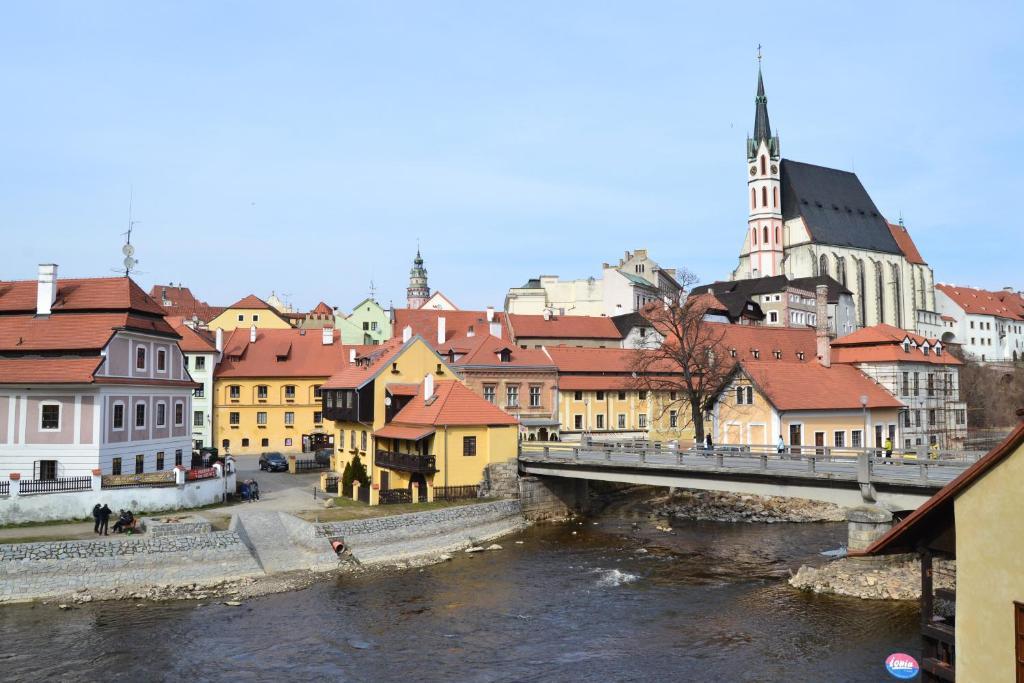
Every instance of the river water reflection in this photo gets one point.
(709, 603)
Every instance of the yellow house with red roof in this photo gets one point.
(250, 311)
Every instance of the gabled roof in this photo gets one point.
(322, 309)
(192, 341)
(936, 514)
(282, 353)
(906, 244)
(253, 302)
(370, 361)
(179, 301)
(80, 294)
(884, 343)
(483, 350)
(751, 287)
(73, 331)
(563, 327)
(628, 321)
(454, 405)
(765, 341)
(811, 386)
(975, 301)
(835, 207)
(439, 295)
(456, 323)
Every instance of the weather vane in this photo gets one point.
(759, 54)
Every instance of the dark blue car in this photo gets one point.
(273, 462)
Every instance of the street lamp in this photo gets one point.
(864, 405)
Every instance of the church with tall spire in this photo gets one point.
(418, 291)
(805, 220)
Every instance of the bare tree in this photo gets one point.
(690, 359)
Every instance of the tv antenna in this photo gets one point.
(128, 250)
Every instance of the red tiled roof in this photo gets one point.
(402, 389)
(322, 309)
(571, 359)
(409, 433)
(812, 386)
(596, 383)
(282, 353)
(936, 514)
(181, 302)
(72, 331)
(192, 341)
(563, 327)
(884, 343)
(983, 302)
(36, 370)
(906, 244)
(454, 404)
(456, 323)
(80, 294)
(765, 340)
(370, 359)
(483, 350)
(252, 302)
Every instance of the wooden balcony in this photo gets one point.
(406, 462)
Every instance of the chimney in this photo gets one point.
(46, 290)
(428, 388)
(352, 356)
(490, 314)
(821, 325)
(328, 336)
(470, 332)
(440, 330)
(406, 334)
(495, 330)
(220, 340)
(547, 314)
(252, 334)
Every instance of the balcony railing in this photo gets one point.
(407, 462)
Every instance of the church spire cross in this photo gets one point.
(762, 125)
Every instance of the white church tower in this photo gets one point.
(764, 186)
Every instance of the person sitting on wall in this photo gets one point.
(125, 522)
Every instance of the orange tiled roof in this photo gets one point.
(812, 386)
(884, 343)
(370, 360)
(192, 341)
(282, 353)
(253, 302)
(563, 327)
(571, 359)
(406, 432)
(906, 244)
(402, 389)
(423, 322)
(72, 331)
(48, 370)
(322, 309)
(746, 339)
(483, 350)
(181, 302)
(80, 294)
(983, 302)
(454, 405)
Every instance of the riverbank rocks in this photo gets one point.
(715, 506)
(898, 579)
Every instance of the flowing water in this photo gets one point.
(708, 602)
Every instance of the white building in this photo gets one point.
(202, 353)
(91, 377)
(626, 287)
(988, 326)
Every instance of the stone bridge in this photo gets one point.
(847, 477)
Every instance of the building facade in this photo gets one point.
(247, 312)
(91, 377)
(988, 326)
(367, 324)
(201, 358)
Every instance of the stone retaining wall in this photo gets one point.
(501, 480)
(552, 498)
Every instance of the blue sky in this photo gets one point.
(305, 147)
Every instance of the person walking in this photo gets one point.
(888, 448)
(254, 490)
(105, 513)
(781, 447)
(708, 444)
(96, 518)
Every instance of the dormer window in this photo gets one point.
(755, 353)
(925, 349)
(394, 368)
(906, 346)
(732, 352)
(800, 355)
(505, 356)
(777, 354)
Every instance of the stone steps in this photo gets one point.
(278, 542)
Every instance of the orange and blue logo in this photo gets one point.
(902, 665)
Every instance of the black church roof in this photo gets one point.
(835, 206)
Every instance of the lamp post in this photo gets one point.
(864, 405)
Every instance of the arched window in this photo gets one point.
(879, 292)
(762, 165)
(753, 236)
(753, 198)
(897, 295)
(823, 265)
(861, 294)
(764, 196)
(841, 270)
(764, 235)
(775, 196)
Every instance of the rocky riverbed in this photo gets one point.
(715, 506)
(898, 578)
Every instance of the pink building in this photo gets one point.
(91, 376)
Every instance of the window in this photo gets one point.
(329, 399)
(234, 391)
(906, 418)
(622, 421)
(489, 392)
(341, 440)
(225, 443)
(600, 396)
(917, 418)
(622, 395)
(348, 399)
(512, 395)
(641, 421)
(672, 395)
(839, 439)
(931, 384)
(115, 466)
(245, 442)
(140, 357)
(234, 419)
(159, 461)
(46, 469)
(353, 441)
(49, 417)
(856, 438)
(255, 317)
(261, 392)
(641, 395)
(577, 421)
(161, 360)
(288, 441)
(289, 392)
(264, 442)
(739, 396)
(241, 318)
(535, 396)
(317, 391)
(773, 316)
(184, 361)
(261, 418)
(362, 440)
(177, 456)
(117, 416)
(961, 416)
(577, 396)
(600, 421)
(750, 396)
(917, 383)
(289, 418)
(199, 392)
(906, 384)
(673, 418)
(366, 326)
(469, 445)
(931, 417)
(197, 418)
(200, 362)
(140, 415)
(161, 414)
(318, 417)
(140, 463)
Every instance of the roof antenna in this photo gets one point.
(128, 250)
(901, 219)
(373, 290)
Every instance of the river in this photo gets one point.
(708, 602)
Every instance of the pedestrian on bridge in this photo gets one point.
(708, 445)
(781, 448)
(888, 448)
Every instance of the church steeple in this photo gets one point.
(762, 127)
(418, 291)
(765, 243)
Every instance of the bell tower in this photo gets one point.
(418, 291)
(764, 189)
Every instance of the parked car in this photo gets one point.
(273, 462)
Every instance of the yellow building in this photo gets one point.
(599, 399)
(405, 412)
(977, 520)
(804, 403)
(249, 312)
(267, 389)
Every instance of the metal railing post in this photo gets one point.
(764, 462)
(810, 462)
(719, 459)
(922, 470)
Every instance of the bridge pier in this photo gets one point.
(865, 525)
(553, 498)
